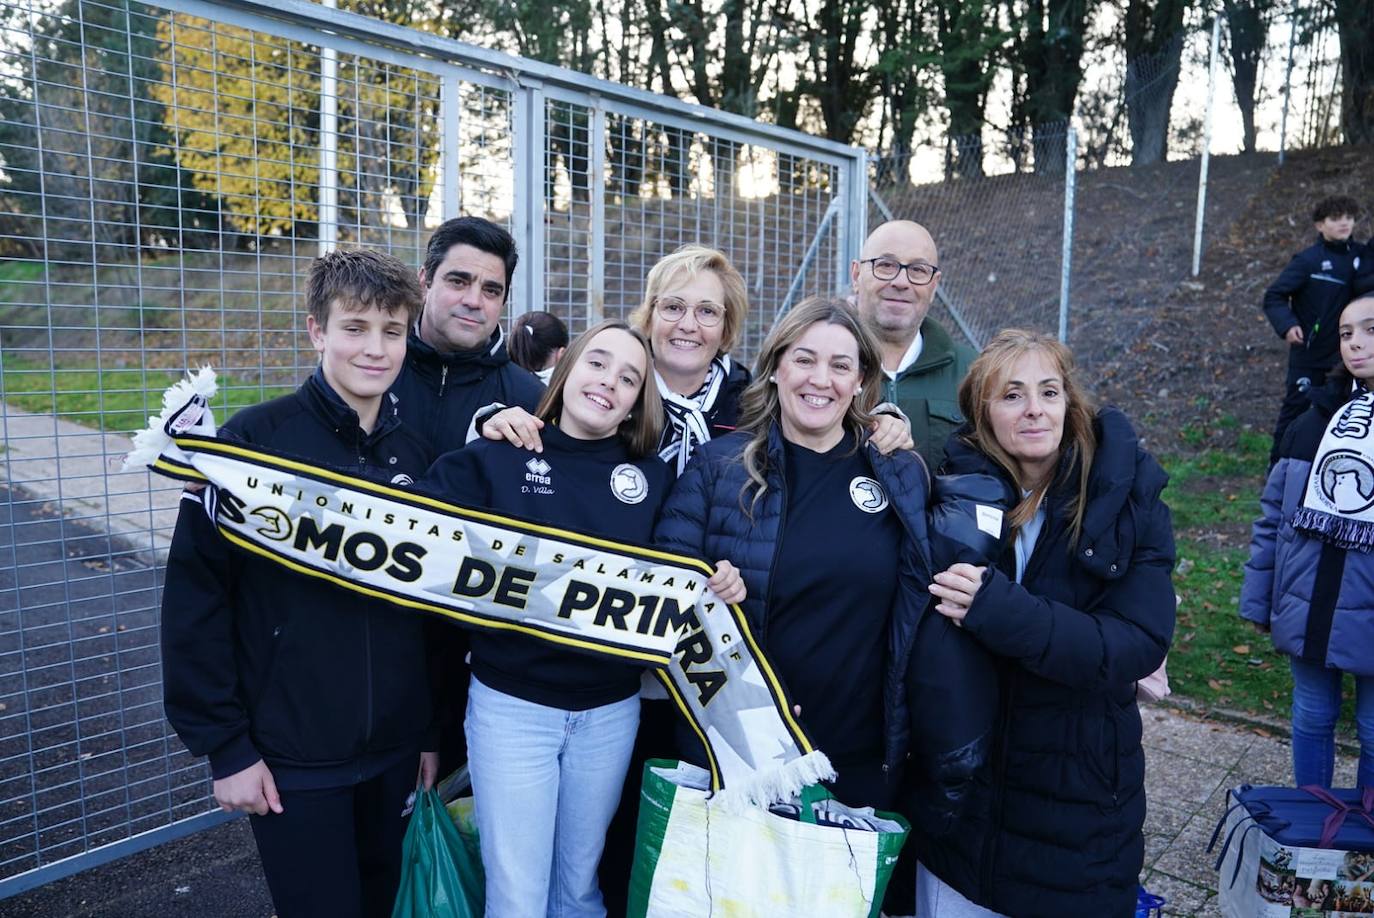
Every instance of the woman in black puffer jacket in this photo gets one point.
(829, 535)
(1079, 606)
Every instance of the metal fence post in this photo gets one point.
(1206, 147)
(530, 122)
(596, 244)
(328, 215)
(855, 231)
(1066, 253)
(450, 171)
(1288, 81)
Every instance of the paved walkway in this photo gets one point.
(78, 469)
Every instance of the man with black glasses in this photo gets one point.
(895, 278)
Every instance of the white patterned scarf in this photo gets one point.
(687, 427)
(1339, 504)
(481, 570)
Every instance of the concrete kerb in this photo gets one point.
(78, 470)
(1277, 727)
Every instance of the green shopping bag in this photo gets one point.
(692, 859)
(441, 871)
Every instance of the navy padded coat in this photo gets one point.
(1057, 830)
(704, 517)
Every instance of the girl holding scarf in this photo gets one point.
(549, 730)
(1310, 578)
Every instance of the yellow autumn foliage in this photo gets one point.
(244, 108)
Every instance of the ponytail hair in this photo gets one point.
(534, 338)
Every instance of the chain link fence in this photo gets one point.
(167, 171)
(1026, 241)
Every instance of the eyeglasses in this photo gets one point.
(673, 309)
(918, 272)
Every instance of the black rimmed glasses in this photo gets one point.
(673, 309)
(886, 269)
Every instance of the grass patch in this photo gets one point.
(112, 400)
(1217, 657)
(18, 270)
(1217, 486)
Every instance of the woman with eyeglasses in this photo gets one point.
(693, 313)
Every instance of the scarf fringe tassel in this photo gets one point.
(764, 788)
(1352, 535)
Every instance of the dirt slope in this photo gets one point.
(1204, 351)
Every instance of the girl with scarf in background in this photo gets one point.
(1310, 578)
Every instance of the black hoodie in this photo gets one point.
(439, 393)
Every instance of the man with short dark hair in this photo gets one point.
(1305, 301)
(456, 361)
(895, 278)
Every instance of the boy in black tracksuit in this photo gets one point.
(1305, 301)
(311, 701)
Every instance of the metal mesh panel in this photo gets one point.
(663, 185)
(168, 173)
(999, 237)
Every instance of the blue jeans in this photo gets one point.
(545, 783)
(1316, 705)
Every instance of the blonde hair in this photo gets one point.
(640, 429)
(759, 404)
(988, 375)
(690, 260)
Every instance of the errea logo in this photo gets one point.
(537, 480)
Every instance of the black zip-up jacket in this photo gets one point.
(1310, 293)
(1057, 825)
(439, 393)
(572, 484)
(328, 687)
(703, 518)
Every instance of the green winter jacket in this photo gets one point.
(928, 391)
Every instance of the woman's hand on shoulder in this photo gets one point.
(727, 583)
(955, 588)
(889, 433)
(516, 426)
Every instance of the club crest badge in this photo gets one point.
(1346, 482)
(868, 495)
(628, 484)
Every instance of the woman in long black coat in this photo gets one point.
(1079, 606)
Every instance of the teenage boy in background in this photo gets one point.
(311, 701)
(1305, 300)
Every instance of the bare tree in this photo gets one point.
(1247, 25)
(1154, 46)
(1355, 21)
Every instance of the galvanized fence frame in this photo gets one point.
(98, 793)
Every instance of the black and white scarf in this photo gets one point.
(1339, 504)
(687, 427)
